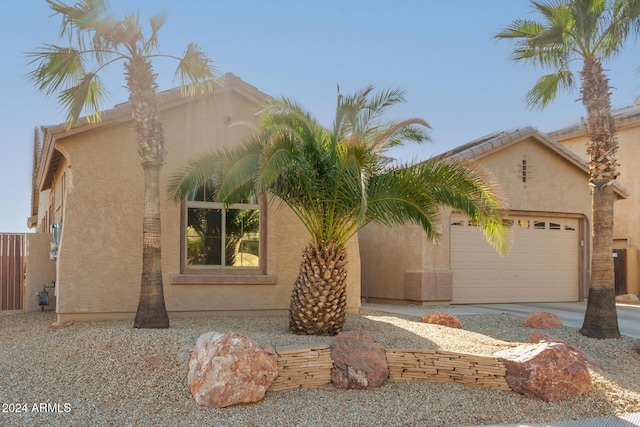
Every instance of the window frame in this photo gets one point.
(186, 268)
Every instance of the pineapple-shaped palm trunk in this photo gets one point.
(152, 312)
(601, 319)
(319, 297)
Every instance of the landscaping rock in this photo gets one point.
(227, 368)
(542, 320)
(549, 371)
(359, 361)
(537, 337)
(439, 318)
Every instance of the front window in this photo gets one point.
(219, 237)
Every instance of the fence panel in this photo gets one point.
(620, 270)
(12, 253)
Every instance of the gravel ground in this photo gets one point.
(110, 374)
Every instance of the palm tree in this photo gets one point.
(96, 40)
(337, 181)
(590, 31)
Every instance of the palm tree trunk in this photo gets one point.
(319, 297)
(601, 319)
(152, 312)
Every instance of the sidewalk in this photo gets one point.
(629, 420)
(571, 314)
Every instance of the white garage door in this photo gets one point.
(542, 265)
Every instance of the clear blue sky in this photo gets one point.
(442, 53)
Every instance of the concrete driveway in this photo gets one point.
(571, 313)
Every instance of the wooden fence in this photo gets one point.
(12, 253)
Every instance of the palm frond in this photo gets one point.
(196, 173)
(397, 197)
(155, 22)
(195, 71)
(547, 87)
(57, 67)
(464, 187)
(395, 134)
(83, 15)
(520, 28)
(88, 23)
(88, 94)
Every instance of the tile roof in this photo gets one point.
(488, 144)
(623, 117)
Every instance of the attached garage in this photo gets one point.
(543, 264)
(548, 205)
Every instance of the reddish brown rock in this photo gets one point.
(439, 318)
(537, 337)
(542, 320)
(637, 348)
(359, 362)
(227, 369)
(549, 371)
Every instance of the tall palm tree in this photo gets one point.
(588, 31)
(97, 39)
(337, 181)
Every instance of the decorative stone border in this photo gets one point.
(304, 366)
(446, 366)
(301, 366)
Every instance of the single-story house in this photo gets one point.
(626, 228)
(545, 186)
(88, 198)
(87, 214)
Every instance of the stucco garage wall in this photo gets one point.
(412, 269)
(553, 184)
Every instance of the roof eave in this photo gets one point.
(121, 113)
(485, 146)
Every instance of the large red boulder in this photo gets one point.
(542, 320)
(550, 371)
(443, 319)
(537, 337)
(227, 368)
(359, 361)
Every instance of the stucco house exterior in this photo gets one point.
(626, 242)
(549, 213)
(87, 198)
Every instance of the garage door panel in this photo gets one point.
(542, 266)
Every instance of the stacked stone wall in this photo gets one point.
(303, 366)
(445, 366)
(300, 366)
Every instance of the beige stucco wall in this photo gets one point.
(626, 219)
(100, 254)
(39, 270)
(553, 183)
(410, 268)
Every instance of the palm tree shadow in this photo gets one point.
(403, 331)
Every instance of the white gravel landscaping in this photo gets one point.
(110, 374)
